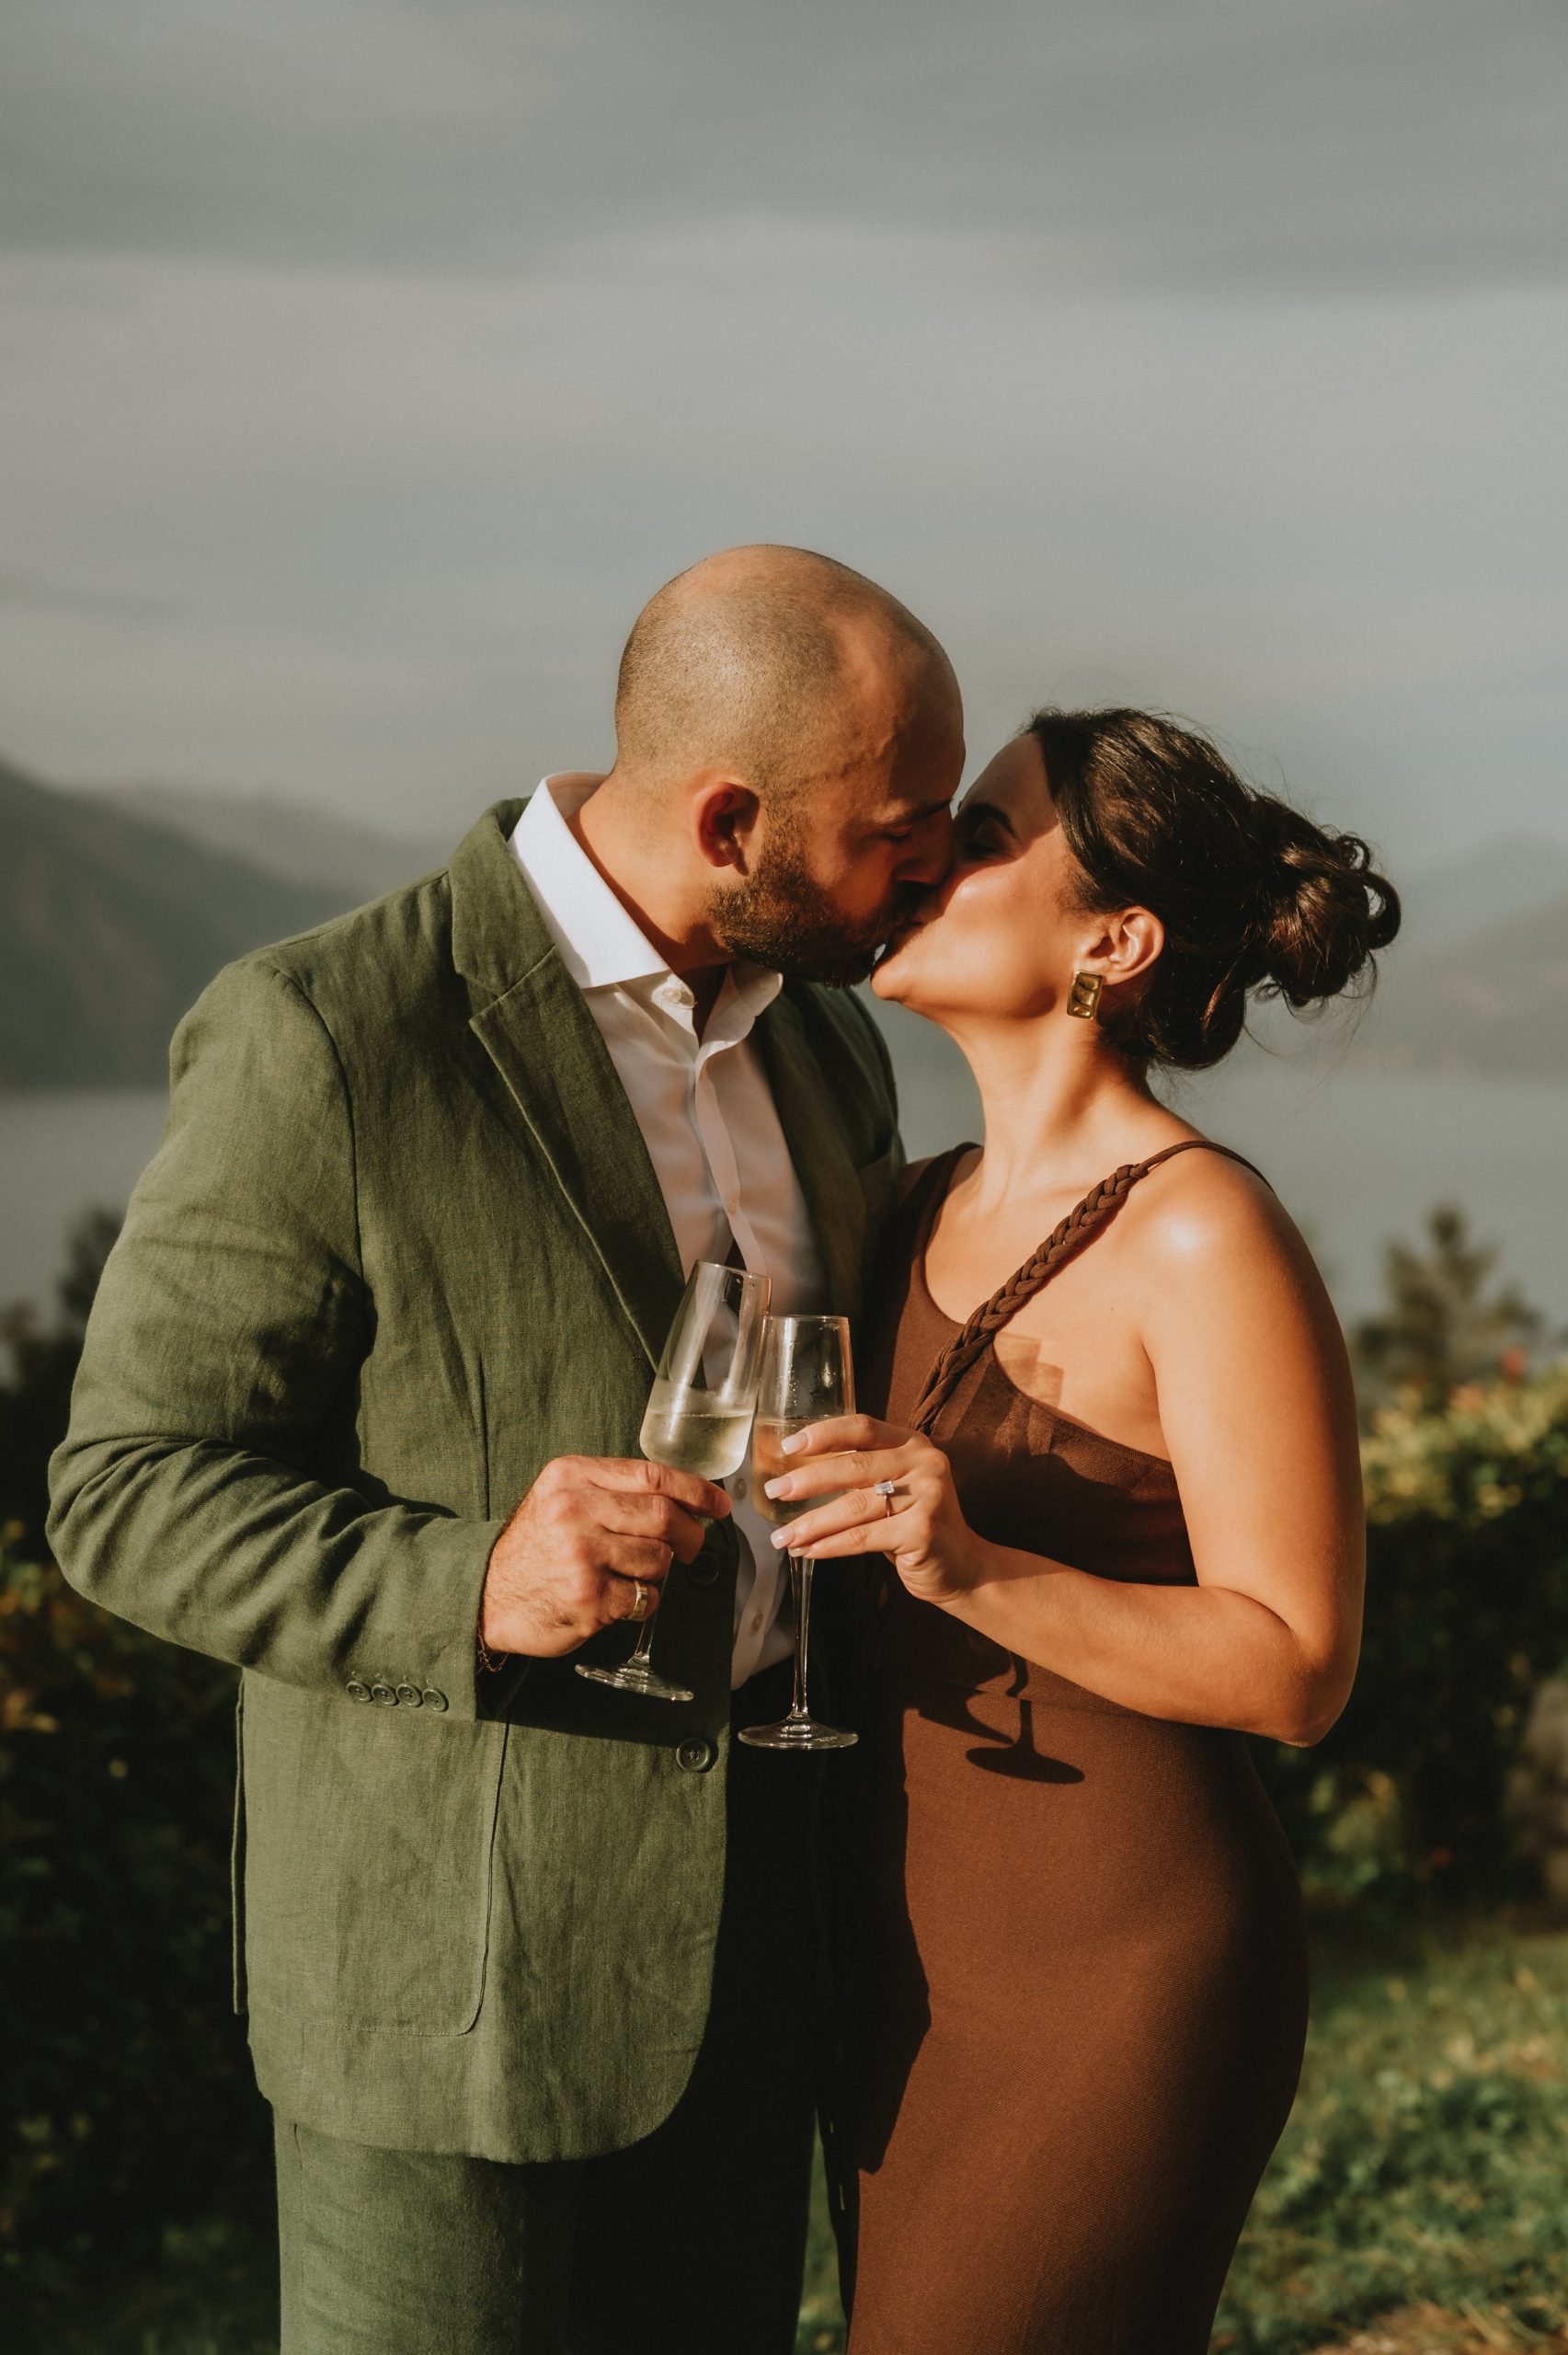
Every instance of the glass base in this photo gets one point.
(797, 1733)
(633, 1677)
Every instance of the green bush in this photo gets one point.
(128, 2098)
(39, 1366)
(1467, 1611)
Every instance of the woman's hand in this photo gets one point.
(920, 1526)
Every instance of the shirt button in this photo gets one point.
(430, 1699)
(695, 1757)
(384, 1694)
(356, 1690)
(409, 1697)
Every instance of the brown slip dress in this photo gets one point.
(1074, 1993)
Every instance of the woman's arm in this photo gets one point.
(1256, 1406)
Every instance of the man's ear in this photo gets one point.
(1126, 945)
(725, 815)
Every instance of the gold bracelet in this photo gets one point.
(487, 1660)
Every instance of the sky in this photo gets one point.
(365, 365)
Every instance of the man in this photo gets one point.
(527, 1961)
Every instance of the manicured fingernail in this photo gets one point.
(780, 1537)
(793, 1443)
(775, 1487)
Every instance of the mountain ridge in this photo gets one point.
(1492, 1005)
(110, 927)
(285, 838)
(117, 905)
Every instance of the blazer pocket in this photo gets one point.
(368, 1881)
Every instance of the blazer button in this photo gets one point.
(384, 1694)
(694, 1757)
(702, 1571)
(356, 1690)
(410, 1696)
(431, 1699)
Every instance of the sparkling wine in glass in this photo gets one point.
(698, 1417)
(806, 1377)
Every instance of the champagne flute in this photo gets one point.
(698, 1417)
(806, 1377)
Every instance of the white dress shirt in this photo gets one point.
(708, 1119)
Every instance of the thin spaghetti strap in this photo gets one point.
(1201, 1144)
(1097, 1209)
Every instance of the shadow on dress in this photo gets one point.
(1018, 1759)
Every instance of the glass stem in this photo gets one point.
(800, 1569)
(639, 1657)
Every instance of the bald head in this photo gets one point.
(788, 742)
(787, 667)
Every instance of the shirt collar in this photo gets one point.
(601, 945)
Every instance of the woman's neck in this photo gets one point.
(1061, 1107)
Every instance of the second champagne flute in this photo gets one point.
(806, 1377)
(698, 1417)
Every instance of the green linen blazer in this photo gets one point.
(401, 1244)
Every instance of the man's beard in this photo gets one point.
(782, 918)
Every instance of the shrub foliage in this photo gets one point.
(127, 2094)
(1467, 1612)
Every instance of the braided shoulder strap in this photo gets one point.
(1097, 1209)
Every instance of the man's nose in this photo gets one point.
(933, 863)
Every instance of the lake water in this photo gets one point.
(1358, 1156)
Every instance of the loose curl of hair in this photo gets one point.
(1254, 899)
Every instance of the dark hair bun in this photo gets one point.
(1327, 908)
(1254, 897)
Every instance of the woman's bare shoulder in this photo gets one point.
(1207, 1210)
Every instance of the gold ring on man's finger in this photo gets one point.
(640, 1600)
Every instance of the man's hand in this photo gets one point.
(567, 1561)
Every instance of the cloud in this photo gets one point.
(368, 361)
(398, 527)
(1156, 143)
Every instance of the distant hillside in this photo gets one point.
(1492, 1006)
(110, 927)
(286, 839)
(116, 909)
(1509, 876)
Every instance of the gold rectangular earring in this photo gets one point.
(1084, 998)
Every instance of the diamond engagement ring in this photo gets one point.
(886, 1491)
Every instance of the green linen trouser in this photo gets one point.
(691, 2241)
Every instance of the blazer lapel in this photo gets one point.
(533, 1023)
(821, 1158)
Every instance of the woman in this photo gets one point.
(1115, 1482)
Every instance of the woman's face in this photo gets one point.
(1001, 935)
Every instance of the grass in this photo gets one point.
(1427, 2162)
(1418, 2203)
